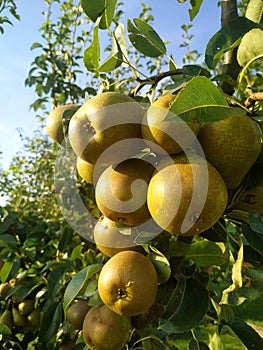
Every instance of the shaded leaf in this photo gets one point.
(197, 345)
(189, 298)
(91, 55)
(249, 337)
(77, 282)
(251, 47)
(254, 238)
(256, 221)
(227, 38)
(145, 39)
(51, 319)
(160, 263)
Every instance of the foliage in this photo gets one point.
(10, 6)
(207, 284)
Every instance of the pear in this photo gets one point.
(186, 195)
(121, 192)
(104, 329)
(110, 240)
(18, 319)
(33, 318)
(232, 145)
(4, 288)
(251, 199)
(104, 128)
(164, 136)
(54, 122)
(89, 172)
(7, 319)
(26, 306)
(77, 312)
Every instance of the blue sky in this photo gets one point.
(16, 57)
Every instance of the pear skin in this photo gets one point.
(186, 196)
(102, 124)
(232, 145)
(167, 136)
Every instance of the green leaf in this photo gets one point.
(93, 9)
(145, 39)
(51, 319)
(108, 13)
(196, 4)
(91, 55)
(5, 270)
(186, 307)
(8, 240)
(256, 221)
(55, 280)
(249, 337)
(226, 39)
(254, 238)
(200, 100)
(205, 253)
(77, 282)
(197, 345)
(251, 47)
(160, 263)
(114, 60)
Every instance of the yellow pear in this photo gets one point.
(167, 136)
(232, 145)
(89, 172)
(121, 192)
(110, 240)
(54, 122)
(186, 195)
(104, 128)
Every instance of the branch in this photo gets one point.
(250, 101)
(231, 66)
(155, 79)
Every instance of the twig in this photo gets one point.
(250, 101)
(155, 79)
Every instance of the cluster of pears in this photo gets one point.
(22, 315)
(181, 191)
(109, 130)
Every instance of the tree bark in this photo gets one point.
(231, 66)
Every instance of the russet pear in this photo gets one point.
(104, 329)
(186, 195)
(232, 145)
(54, 123)
(104, 128)
(121, 192)
(169, 136)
